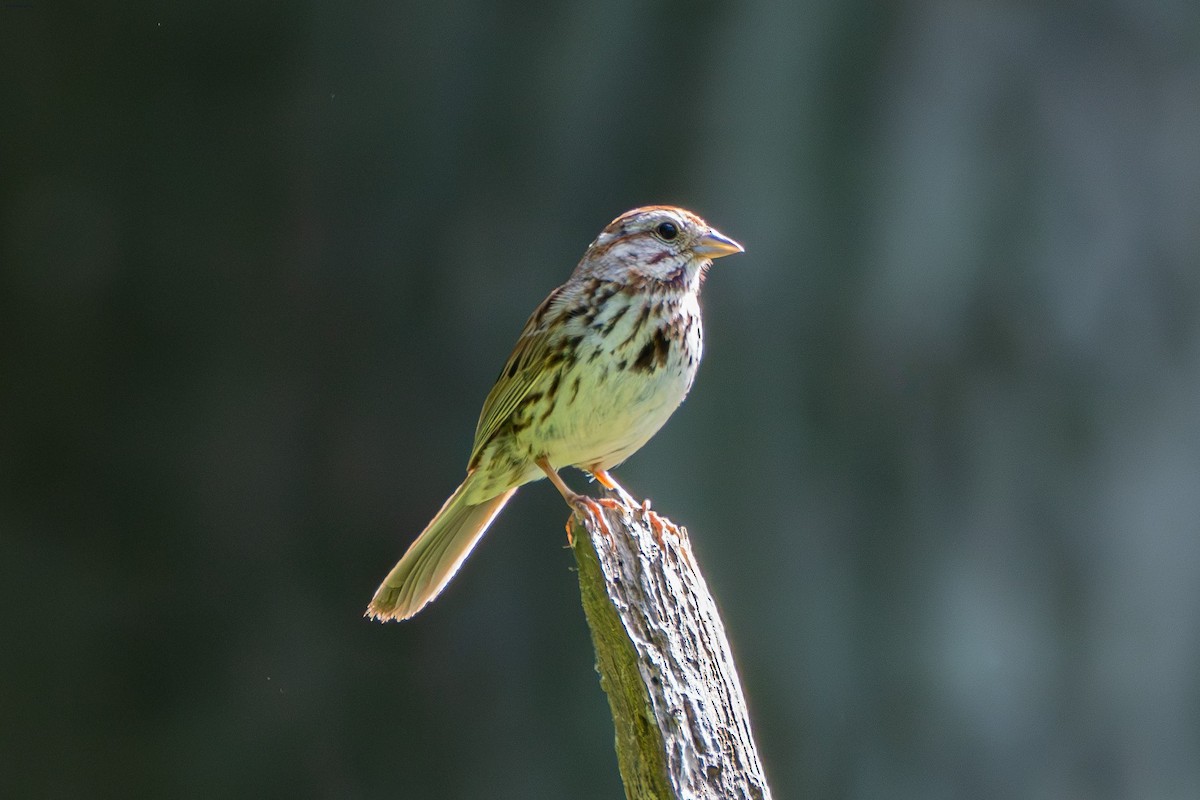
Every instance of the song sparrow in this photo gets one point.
(598, 369)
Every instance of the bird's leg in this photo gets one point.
(658, 525)
(606, 480)
(580, 503)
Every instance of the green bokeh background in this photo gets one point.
(259, 264)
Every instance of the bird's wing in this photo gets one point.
(520, 373)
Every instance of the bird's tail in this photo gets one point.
(435, 556)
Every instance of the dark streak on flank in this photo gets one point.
(552, 392)
(654, 354)
(575, 389)
(614, 319)
(637, 325)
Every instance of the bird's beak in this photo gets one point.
(715, 244)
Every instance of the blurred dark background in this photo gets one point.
(260, 263)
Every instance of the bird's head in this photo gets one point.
(657, 243)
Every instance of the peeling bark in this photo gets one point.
(682, 729)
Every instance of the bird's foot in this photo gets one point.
(589, 508)
(658, 524)
(608, 482)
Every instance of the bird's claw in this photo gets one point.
(658, 524)
(590, 508)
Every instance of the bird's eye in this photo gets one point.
(667, 231)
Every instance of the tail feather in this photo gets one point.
(435, 556)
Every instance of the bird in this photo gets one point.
(598, 369)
